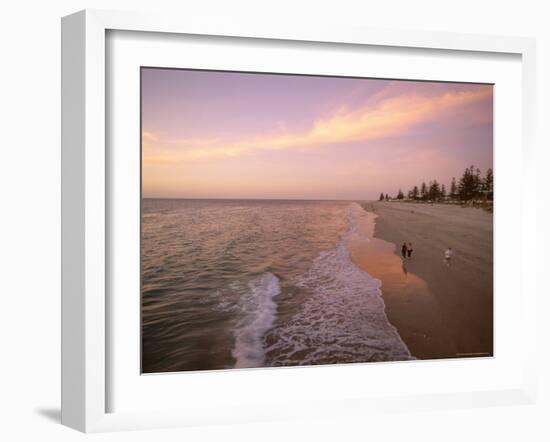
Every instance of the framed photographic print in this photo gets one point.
(260, 200)
(270, 223)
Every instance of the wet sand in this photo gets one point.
(440, 311)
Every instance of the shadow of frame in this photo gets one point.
(51, 414)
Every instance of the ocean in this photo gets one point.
(258, 283)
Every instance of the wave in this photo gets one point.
(259, 312)
(343, 319)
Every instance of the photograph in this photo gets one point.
(299, 220)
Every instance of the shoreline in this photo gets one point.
(439, 311)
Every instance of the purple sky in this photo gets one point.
(237, 135)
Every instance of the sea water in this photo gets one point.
(256, 283)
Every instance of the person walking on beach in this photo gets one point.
(404, 250)
(409, 249)
(448, 255)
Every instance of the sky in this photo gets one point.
(211, 134)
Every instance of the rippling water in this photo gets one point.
(243, 283)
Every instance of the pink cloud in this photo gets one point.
(392, 112)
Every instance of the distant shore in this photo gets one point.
(440, 311)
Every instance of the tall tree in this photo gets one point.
(434, 191)
(478, 183)
(381, 197)
(454, 189)
(400, 195)
(443, 192)
(387, 197)
(469, 184)
(415, 193)
(464, 185)
(423, 191)
(488, 184)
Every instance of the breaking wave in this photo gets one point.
(259, 312)
(343, 319)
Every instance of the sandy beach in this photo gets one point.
(440, 311)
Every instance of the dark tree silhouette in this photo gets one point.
(471, 187)
(423, 191)
(487, 184)
(434, 191)
(454, 189)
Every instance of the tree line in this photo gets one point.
(470, 187)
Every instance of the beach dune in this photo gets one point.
(440, 311)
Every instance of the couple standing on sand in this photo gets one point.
(406, 249)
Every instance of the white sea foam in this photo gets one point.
(343, 320)
(259, 311)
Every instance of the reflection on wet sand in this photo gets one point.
(377, 258)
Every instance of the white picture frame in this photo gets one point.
(85, 208)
